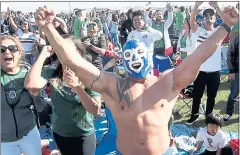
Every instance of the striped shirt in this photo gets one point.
(213, 63)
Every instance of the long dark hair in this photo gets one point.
(80, 48)
(188, 23)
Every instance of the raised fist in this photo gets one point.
(213, 4)
(169, 7)
(43, 15)
(229, 15)
(8, 12)
(198, 3)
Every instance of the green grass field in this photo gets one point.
(220, 106)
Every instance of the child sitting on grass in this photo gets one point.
(212, 137)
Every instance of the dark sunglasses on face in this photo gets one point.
(208, 14)
(91, 25)
(11, 48)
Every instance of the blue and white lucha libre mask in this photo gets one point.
(136, 61)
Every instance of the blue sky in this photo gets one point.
(59, 6)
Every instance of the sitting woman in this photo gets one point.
(73, 104)
(19, 133)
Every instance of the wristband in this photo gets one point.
(226, 27)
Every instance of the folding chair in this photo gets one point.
(30, 50)
(224, 76)
(186, 96)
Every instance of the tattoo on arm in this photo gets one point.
(123, 91)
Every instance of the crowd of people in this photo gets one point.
(135, 62)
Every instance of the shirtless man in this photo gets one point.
(140, 114)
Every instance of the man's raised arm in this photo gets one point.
(193, 22)
(68, 55)
(187, 71)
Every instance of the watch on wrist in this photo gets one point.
(226, 27)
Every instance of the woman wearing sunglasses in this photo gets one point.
(19, 133)
(73, 104)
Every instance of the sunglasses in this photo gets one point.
(11, 48)
(208, 14)
(91, 25)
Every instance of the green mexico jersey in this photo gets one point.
(160, 27)
(70, 118)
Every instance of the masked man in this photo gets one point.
(141, 116)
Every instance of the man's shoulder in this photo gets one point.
(131, 34)
(202, 130)
(221, 134)
(201, 29)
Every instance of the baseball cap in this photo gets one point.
(211, 11)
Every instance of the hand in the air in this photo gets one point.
(8, 12)
(47, 50)
(70, 78)
(169, 7)
(229, 15)
(198, 3)
(214, 4)
(43, 15)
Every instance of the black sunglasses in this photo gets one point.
(11, 48)
(208, 14)
(91, 25)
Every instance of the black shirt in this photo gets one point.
(98, 41)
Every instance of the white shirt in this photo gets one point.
(29, 39)
(211, 143)
(31, 20)
(148, 36)
(213, 63)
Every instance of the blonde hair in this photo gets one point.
(19, 45)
